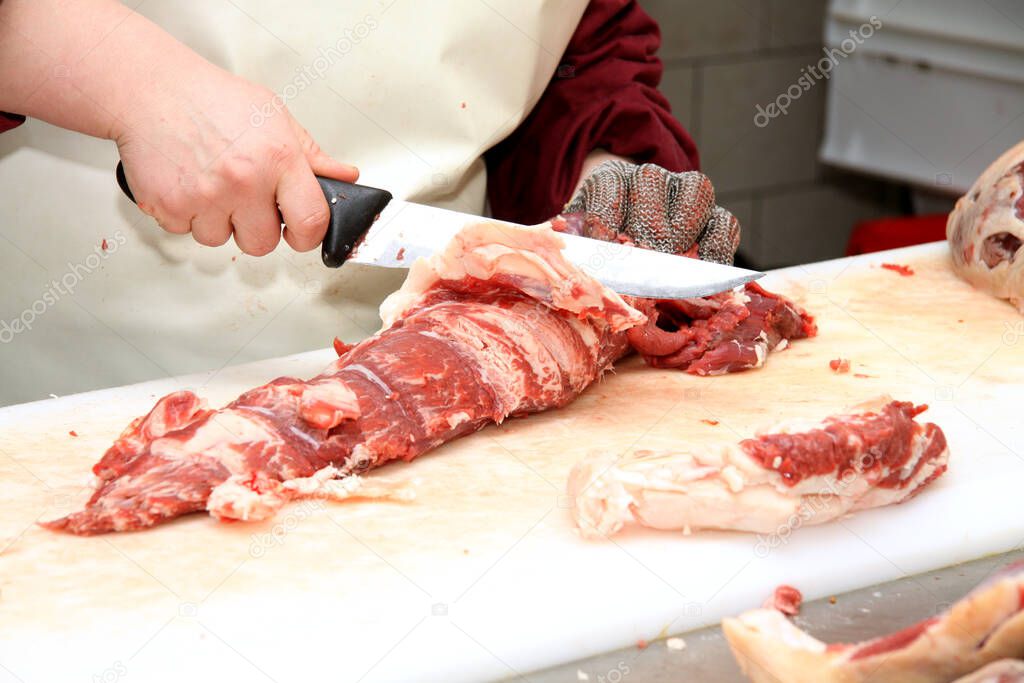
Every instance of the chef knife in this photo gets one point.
(370, 227)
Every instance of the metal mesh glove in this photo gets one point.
(657, 209)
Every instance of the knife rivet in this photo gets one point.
(334, 200)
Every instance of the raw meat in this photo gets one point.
(727, 332)
(784, 478)
(840, 366)
(498, 325)
(905, 271)
(985, 626)
(785, 599)
(1003, 671)
(986, 229)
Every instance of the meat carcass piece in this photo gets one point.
(986, 229)
(498, 324)
(985, 626)
(714, 335)
(1003, 671)
(790, 476)
(723, 333)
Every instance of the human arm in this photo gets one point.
(193, 153)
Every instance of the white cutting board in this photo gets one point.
(482, 575)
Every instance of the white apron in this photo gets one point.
(411, 92)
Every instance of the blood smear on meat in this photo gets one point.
(905, 271)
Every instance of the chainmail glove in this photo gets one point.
(657, 209)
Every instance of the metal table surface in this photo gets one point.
(858, 615)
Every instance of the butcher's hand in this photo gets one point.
(204, 151)
(655, 208)
(227, 158)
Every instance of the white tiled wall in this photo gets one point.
(722, 59)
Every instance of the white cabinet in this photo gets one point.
(932, 96)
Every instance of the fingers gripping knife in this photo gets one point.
(353, 209)
(392, 233)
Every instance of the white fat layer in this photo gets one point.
(456, 419)
(235, 499)
(333, 392)
(772, 624)
(531, 256)
(219, 438)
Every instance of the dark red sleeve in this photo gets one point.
(8, 121)
(603, 95)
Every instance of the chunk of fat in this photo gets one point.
(532, 255)
(233, 498)
(236, 499)
(720, 488)
(327, 403)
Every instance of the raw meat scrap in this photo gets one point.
(839, 366)
(499, 324)
(723, 333)
(783, 478)
(985, 626)
(714, 335)
(986, 229)
(785, 599)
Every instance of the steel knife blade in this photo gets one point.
(405, 231)
(368, 226)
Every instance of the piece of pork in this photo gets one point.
(785, 477)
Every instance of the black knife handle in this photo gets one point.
(353, 207)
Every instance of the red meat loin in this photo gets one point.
(498, 325)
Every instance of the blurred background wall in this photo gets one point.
(906, 119)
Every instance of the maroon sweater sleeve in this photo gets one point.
(603, 95)
(8, 121)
